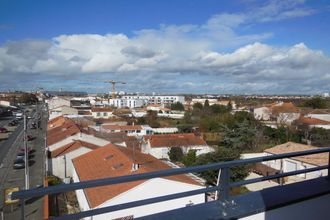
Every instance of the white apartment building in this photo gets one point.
(158, 99)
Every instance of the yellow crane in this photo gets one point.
(114, 86)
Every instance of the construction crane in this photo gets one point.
(114, 86)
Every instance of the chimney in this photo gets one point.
(135, 167)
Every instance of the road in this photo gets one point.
(10, 177)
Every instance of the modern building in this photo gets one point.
(102, 112)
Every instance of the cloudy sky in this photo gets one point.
(186, 46)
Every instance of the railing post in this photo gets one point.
(22, 209)
(224, 184)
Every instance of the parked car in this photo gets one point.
(3, 130)
(22, 150)
(19, 161)
(30, 138)
(19, 166)
(12, 123)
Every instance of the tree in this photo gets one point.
(177, 106)
(217, 109)
(151, 119)
(206, 103)
(27, 98)
(190, 158)
(175, 154)
(221, 155)
(316, 102)
(198, 105)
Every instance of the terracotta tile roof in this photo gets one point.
(113, 161)
(59, 133)
(319, 112)
(287, 107)
(174, 140)
(312, 121)
(98, 109)
(58, 121)
(289, 147)
(71, 147)
(122, 127)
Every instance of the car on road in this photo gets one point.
(30, 138)
(3, 130)
(19, 166)
(29, 150)
(12, 123)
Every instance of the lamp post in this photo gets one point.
(26, 156)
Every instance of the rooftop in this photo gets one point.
(113, 161)
(174, 140)
(290, 147)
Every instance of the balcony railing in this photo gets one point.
(222, 188)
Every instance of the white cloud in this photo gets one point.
(172, 55)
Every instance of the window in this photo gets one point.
(105, 114)
(98, 114)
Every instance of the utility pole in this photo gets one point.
(26, 157)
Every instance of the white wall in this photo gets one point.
(324, 117)
(81, 197)
(262, 113)
(80, 136)
(102, 114)
(149, 189)
(287, 165)
(58, 163)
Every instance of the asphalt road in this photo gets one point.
(10, 177)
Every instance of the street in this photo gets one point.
(10, 177)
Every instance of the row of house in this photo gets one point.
(77, 152)
(282, 113)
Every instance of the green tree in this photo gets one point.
(175, 154)
(206, 103)
(316, 102)
(190, 158)
(320, 137)
(221, 155)
(177, 106)
(151, 119)
(198, 105)
(28, 98)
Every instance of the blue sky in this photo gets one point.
(249, 46)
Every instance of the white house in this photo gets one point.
(314, 122)
(159, 145)
(319, 114)
(60, 161)
(57, 102)
(158, 99)
(105, 112)
(62, 110)
(130, 130)
(262, 113)
(113, 161)
(297, 163)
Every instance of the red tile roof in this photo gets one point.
(312, 121)
(105, 109)
(59, 133)
(174, 140)
(289, 147)
(113, 161)
(71, 147)
(287, 107)
(56, 122)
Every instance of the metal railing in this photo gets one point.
(223, 186)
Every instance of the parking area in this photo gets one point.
(15, 177)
